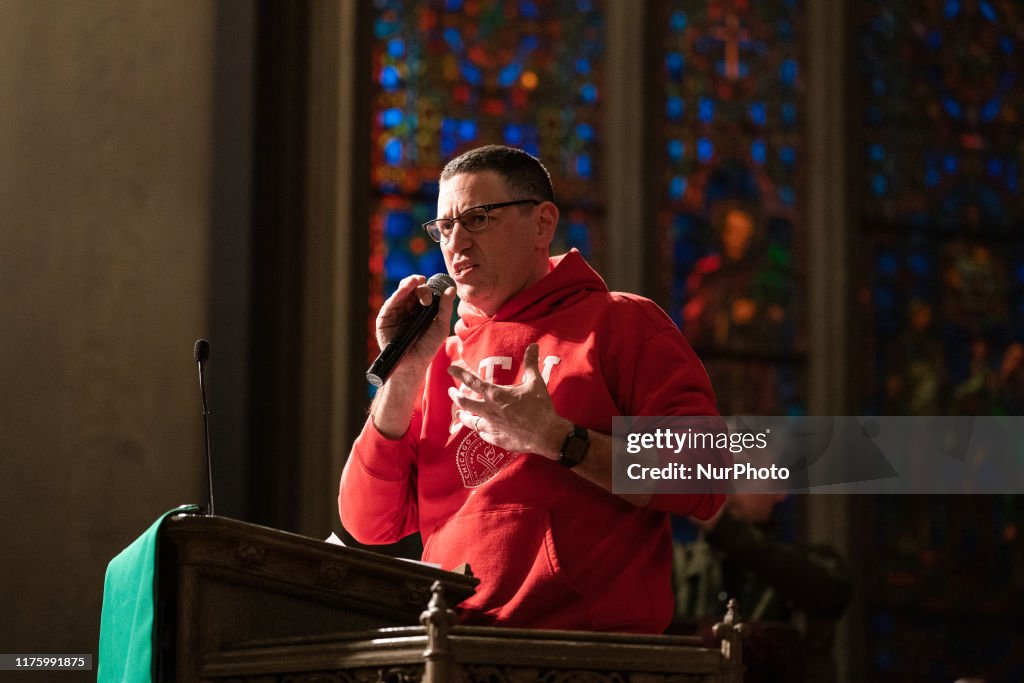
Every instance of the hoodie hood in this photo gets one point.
(569, 278)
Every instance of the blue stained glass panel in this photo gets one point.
(952, 92)
(937, 159)
(389, 78)
(731, 208)
(758, 152)
(674, 108)
(758, 113)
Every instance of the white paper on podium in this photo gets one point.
(334, 540)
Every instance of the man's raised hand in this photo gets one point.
(518, 417)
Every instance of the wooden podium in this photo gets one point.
(223, 581)
(243, 603)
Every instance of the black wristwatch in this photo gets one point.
(574, 448)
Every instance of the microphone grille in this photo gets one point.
(440, 282)
(201, 350)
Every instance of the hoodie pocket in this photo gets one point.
(512, 552)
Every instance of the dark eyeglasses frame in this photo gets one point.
(487, 210)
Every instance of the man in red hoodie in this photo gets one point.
(495, 443)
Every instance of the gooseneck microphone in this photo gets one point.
(201, 352)
(411, 329)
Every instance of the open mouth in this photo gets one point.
(463, 268)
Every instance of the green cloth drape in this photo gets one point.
(126, 622)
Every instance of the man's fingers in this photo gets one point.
(408, 284)
(425, 295)
(399, 299)
(465, 417)
(471, 420)
(444, 311)
(531, 371)
(469, 379)
(405, 281)
(463, 402)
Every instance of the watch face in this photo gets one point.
(575, 448)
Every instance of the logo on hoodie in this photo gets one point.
(478, 460)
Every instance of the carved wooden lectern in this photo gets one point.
(223, 581)
(239, 602)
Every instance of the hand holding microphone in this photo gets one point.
(406, 317)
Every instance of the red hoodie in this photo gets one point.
(551, 549)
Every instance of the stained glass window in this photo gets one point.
(450, 75)
(730, 217)
(941, 229)
(942, 211)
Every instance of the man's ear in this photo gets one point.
(547, 223)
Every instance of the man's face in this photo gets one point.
(495, 264)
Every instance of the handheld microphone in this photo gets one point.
(411, 329)
(201, 352)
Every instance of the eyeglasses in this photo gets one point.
(473, 219)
